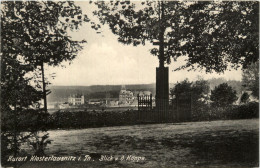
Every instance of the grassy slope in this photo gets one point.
(217, 143)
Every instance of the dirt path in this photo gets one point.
(217, 143)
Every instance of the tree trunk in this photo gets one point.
(161, 36)
(15, 135)
(44, 88)
(15, 131)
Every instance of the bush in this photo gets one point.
(85, 119)
(200, 112)
(245, 111)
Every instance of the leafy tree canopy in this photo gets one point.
(37, 30)
(33, 33)
(250, 78)
(183, 87)
(223, 95)
(213, 35)
(198, 90)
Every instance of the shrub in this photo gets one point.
(200, 112)
(244, 111)
(85, 119)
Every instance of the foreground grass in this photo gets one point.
(203, 144)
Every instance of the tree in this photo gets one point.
(198, 90)
(33, 33)
(37, 31)
(194, 94)
(250, 79)
(182, 88)
(223, 95)
(211, 34)
(14, 101)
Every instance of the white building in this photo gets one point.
(76, 99)
(125, 96)
(129, 98)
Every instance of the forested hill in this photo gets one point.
(61, 93)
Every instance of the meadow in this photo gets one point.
(223, 143)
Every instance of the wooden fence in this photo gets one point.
(177, 111)
(145, 108)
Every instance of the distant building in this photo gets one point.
(64, 105)
(112, 102)
(142, 93)
(129, 98)
(95, 101)
(125, 96)
(61, 105)
(250, 99)
(76, 99)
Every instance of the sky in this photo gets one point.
(105, 61)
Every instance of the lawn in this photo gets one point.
(223, 143)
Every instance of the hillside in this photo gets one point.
(61, 93)
(237, 85)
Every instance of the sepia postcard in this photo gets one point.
(125, 83)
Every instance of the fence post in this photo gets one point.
(138, 107)
(151, 102)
